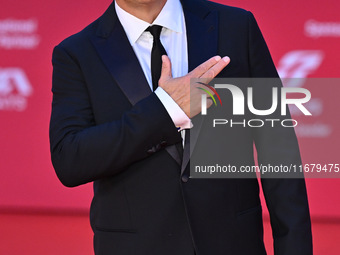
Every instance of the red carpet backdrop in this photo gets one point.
(304, 39)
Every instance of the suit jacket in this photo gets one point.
(108, 127)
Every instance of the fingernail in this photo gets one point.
(226, 59)
(217, 58)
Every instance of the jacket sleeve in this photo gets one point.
(286, 198)
(83, 151)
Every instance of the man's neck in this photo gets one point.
(146, 10)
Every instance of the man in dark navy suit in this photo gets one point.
(114, 123)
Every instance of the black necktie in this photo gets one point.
(156, 54)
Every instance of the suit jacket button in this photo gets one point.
(158, 147)
(151, 151)
(164, 144)
(185, 178)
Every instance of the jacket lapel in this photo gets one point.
(202, 36)
(117, 54)
(115, 50)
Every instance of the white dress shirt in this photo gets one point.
(174, 40)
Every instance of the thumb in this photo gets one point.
(166, 68)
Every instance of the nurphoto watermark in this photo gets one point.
(248, 129)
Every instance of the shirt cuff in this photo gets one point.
(179, 118)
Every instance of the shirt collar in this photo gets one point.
(170, 17)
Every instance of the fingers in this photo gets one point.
(210, 68)
(216, 69)
(166, 68)
(204, 67)
(209, 102)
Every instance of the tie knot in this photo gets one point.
(155, 30)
